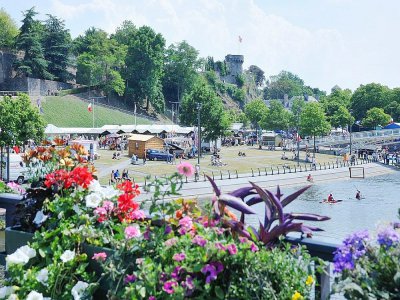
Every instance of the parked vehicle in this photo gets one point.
(153, 154)
(18, 169)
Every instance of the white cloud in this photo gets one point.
(323, 57)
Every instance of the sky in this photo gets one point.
(325, 42)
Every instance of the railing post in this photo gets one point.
(220, 173)
(252, 172)
(266, 173)
(320, 166)
(186, 179)
(229, 174)
(284, 170)
(278, 170)
(259, 172)
(237, 176)
(204, 175)
(295, 170)
(272, 171)
(300, 169)
(325, 166)
(212, 172)
(323, 287)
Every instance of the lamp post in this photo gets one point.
(198, 106)
(298, 137)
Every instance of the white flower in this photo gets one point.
(76, 209)
(21, 256)
(67, 255)
(94, 186)
(42, 276)
(13, 297)
(109, 192)
(5, 291)
(93, 200)
(40, 217)
(34, 296)
(78, 289)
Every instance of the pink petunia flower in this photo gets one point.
(179, 256)
(101, 256)
(243, 239)
(171, 242)
(232, 249)
(132, 231)
(220, 246)
(108, 206)
(253, 247)
(137, 215)
(169, 286)
(186, 224)
(186, 169)
(199, 240)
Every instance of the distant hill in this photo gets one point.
(70, 111)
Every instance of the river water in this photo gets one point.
(378, 207)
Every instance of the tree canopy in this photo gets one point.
(255, 111)
(8, 30)
(258, 75)
(375, 117)
(277, 117)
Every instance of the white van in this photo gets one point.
(18, 169)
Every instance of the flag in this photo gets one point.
(135, 109)
(240, 39)
(89, 107)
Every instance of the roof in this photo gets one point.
(142, 137)
(236, 126)
(392, 126)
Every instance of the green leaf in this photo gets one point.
(142, 291)
(396, 278)
(219, 292)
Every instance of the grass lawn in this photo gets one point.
(254, 159)
(69, 111)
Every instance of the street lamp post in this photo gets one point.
(198, 133)
(350, 131)
(298, 138)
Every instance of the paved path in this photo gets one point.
(203, 189)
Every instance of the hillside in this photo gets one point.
(70, 111)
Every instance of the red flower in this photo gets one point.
(126, 203)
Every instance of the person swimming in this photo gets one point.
(358, 195)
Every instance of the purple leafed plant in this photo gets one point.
(276, 223)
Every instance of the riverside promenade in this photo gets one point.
(202, 189)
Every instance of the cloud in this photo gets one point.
(270, 41)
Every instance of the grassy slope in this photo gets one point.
(69, 111)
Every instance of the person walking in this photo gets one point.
(144, 157)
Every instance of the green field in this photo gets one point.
(70, 111)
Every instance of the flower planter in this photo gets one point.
(9, 202)
(16, 238)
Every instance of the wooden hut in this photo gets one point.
(139, 143)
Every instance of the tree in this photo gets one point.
(255, 111)
(338, 98)
(313, 121)
(368, 96)
(283, 83)
(295, 111)
(180, 70)
(8, 30)
(124, 34)
(57, 45)
(213, 117)
(277, 117)
(393, 109)
(19, 121)
(258, 75)
(144, 61)
(374, 117)
(342, 118)
(29, 41)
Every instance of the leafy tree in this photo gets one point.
(144, 61)
(125, 33)
(295, 111)
(283, 83)
(338, 98)
(213, 117)
(57, 45)
(19, 121)
(277, 117)
(374, 117)
(101, 61)
(255, 111)
(393, 109)
(258, 75)
(8, 30)
(237, 117)
(29, 41)
(368, 96)
(180, 68)
(342, 118)
(313, 121)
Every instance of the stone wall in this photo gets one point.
(6, 63)
(34, 86)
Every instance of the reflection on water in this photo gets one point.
(379, 205)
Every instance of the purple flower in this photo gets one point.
(169, 286)
(146, 234)
(176, 271)
(186, 224)
(179, 256)
(163, 277)
(152, 298)
(188, 285)
(199, 240)
(219, 246)
(130, 278)
(212, 270)
(167, 229)
(243, 240)
(352, 249)
(388, 237)
(171, 242)
(232, 249)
